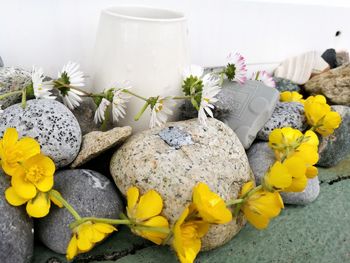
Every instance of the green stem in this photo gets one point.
(55, 194)
(181, 97)
(234, 202)
(134, 94)
(138, 116)
(100, 220)
(3, 96)
(107, 116)
(59, 83)
(24, 98)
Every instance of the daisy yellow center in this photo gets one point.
(206, 100)
(160, 107)
(34, 174)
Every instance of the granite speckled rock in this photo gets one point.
(49, 122)
(261, 157)
(285, 85)
(215, 157)
(90, 193)
(334, 84)
(16, 230)
(96, 142)
(12, 79)
(286, 114)
(336, 147)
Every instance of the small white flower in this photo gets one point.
(41, 89)
(75, 77)
(240, 69)
(160, 112)
(101, 110)
(210, 89)
(193, 70)
(120, 98)
(265, 77)
(72, 98)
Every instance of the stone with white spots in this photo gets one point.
(49, 122)
(174, 158)
(90, 193)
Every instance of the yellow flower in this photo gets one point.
(37, 207)
(277, 177)
(291, 96)
(297, 169)
(14, 151)
(85, 236)
(187, 236)
(35, 173)
(145, 211)
(210, 206)
(261, 206)
(319, 115)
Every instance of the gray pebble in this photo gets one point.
(16, 229)
(90, 193)
(49, 122)
(305, 197)
(286, 114)
(285, 85)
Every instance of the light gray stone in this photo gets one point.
(286, 114)
(252, 105)
(12, 79)
(175, 137)
(261, 157)
(49, 122)
(90, 193)
(96, 142)
(305, 197)
(216, 157)
(16, 229)
(85, 115)
(336, 147)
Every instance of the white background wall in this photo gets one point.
(51, 32)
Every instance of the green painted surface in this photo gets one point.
(319, 232)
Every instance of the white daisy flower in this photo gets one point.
(160, 112)
(101, 110)
(75, 77)
(210, 89)
(40, 88)
(193, 70)
(236, 68)
(120, 98)
(265, 77)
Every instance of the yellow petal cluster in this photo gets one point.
(145, 211)
(85, 236)
(320, 116)
(291, 96)
(206, 208)
(31, 173)
(187, 235)
(261, 206)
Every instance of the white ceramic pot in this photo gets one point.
(146, 46)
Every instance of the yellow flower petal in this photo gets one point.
(13, 198)
(97, 236)
(10, 137)
(291, 96)
(154, 236)
(308, 153)
(297, 168)
(210, 206)
(278, 177)
(56, 202)
(132, 196)
(311, 172)
(72, 249)
(85, 237)
(256, 219)
(39, 206)
(23, 188)
(150, 204)
(28, 147)
(312, 138)
(104, 228)
(246, 188)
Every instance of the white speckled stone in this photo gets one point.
(12, 79)
(286, 114)
(261, 157)
(214, 156)
(49, 122)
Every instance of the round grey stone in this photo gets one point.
(336, 147)
(12, 79)
(90, 193)
(16, 229)
(286, 114)
(261, 157)
(49, 122)
(285, 85)
(174, 158)
(85, 115)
